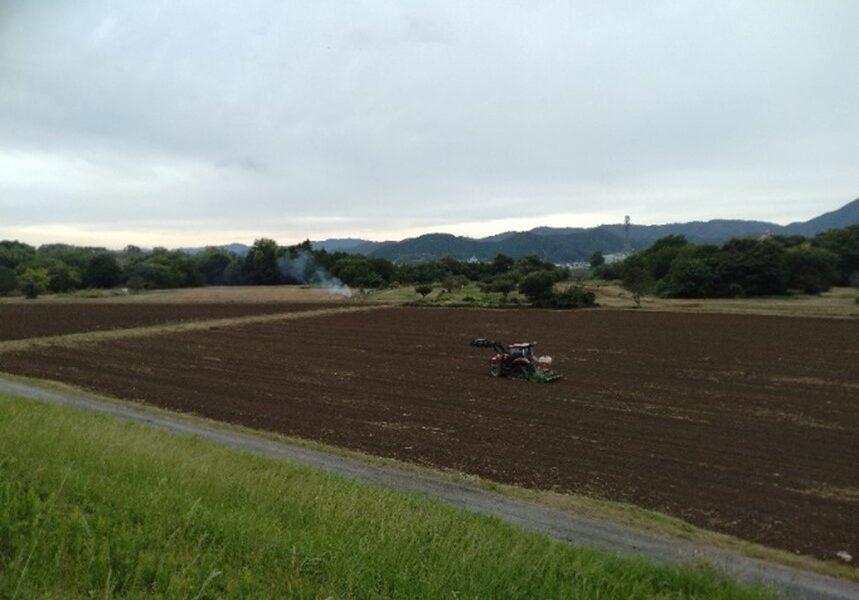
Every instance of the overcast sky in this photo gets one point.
(184, 123)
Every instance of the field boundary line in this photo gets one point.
(563, 526)
(83, 337)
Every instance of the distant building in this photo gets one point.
(616, 257)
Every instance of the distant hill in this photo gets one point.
(558, 248)
(240, 249)
(349, 245)
(699, 232)
(844, 216)
(569, 244)
(235, 248)
(430, 246)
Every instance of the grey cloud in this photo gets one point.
(393, 113)
(249, 163)
(427, 31)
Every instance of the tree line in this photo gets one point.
(675, 268)
(62, 268)
(671, 267)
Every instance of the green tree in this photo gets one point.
(812, 270)
(537, 286)
(212, 263)
(8, 281)
(692, 274)
(164, 269)
(63, 276)
(102, 271)
(234, 274)
(261, 263)
(609, 271)
(305, 246)
(424, 289)
(180, 269)
(501, 264)
(689, 278)
(34, 281)
(75, 256)
(452, 266)
(575, 296)
(532, 263)
(383, 268)
(423, 272)
(597, 259)
(503, 285)
(637, 280)
(844, 243)
(454, 282)
(357, 271)
(757, 267)
(14, 253)
(657, 258)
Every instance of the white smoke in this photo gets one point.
(303, 268)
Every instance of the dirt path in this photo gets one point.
(71, 339)
(560, 525)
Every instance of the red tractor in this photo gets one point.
(518, 361)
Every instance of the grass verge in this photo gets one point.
(838, 303)
(577, 504)
(95, 506)
(468, 295)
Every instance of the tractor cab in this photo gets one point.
(522, 350)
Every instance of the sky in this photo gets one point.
(192, 123)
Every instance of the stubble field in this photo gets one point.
(21, 321)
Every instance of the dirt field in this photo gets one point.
(743, 425)
(26, 320)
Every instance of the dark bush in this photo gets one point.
(757, 266)
(689, 278)
(423, 289)
(8, 281)
(735, 290)
(573, 297)
(537, 286)
(812, 270)
(102, 271)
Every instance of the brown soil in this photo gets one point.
(24, 320)
(212, 294)
(743, 425)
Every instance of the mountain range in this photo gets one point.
(570, 244)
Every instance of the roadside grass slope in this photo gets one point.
(93, 506)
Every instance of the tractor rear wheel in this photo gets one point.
(522, 372)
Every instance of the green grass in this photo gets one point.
(440, 297)
(92, 506)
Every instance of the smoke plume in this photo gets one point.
(303, 268)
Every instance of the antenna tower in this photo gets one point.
(626, 247)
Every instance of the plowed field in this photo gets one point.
(743, 425)
(21, 321)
